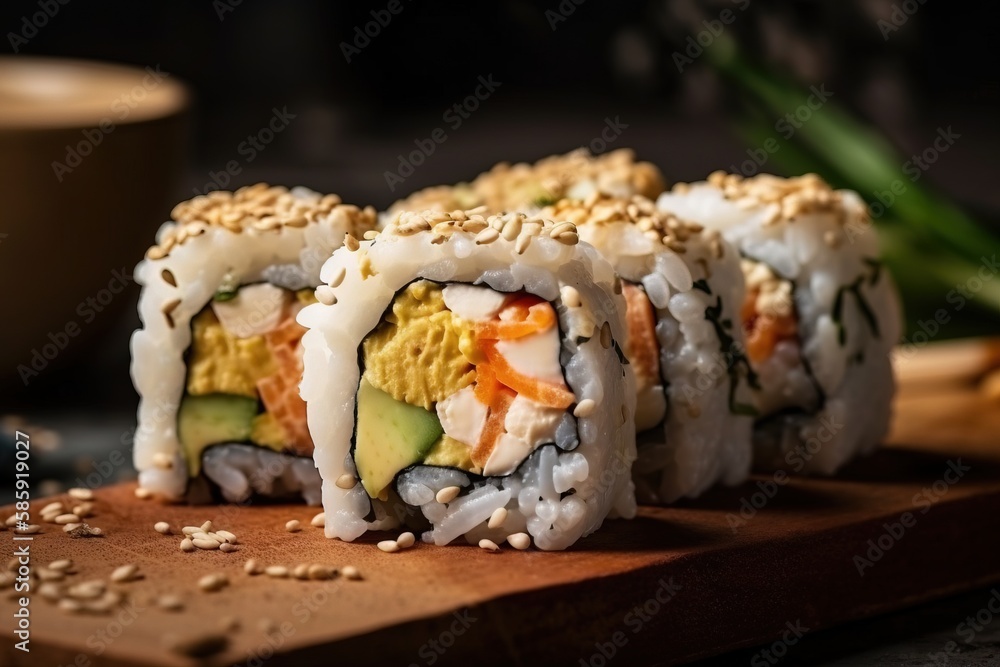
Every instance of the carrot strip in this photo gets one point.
(494, 426)
(526, 321)
(546, 393)
(487, 385)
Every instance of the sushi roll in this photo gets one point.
(820, 314)
(463, 376)
(683, 291)
(526, 187)
(217, 361)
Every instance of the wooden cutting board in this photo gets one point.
(675, 584)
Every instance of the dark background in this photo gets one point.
(603, 60)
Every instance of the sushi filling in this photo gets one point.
(463, 377)
(243, 370)
(773, 342)
(643, 352)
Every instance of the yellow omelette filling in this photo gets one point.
(422, 353)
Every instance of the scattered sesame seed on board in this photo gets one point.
(276, 571)
(143, 493)
(252, 567)
(207, 545)
(55, 507)
(301, 571)
(69, 527)
(187, 545)
(170, 602)
(84, 509)
(488, 545)
(45, 574)
(350, 572)
(519, 541)
(228, 547)
(207, 526)
(63, 519)
(447, 494)
(162, 527)
(81, 493)
(124, 573)
(319, 521)
(388, 546)
(406, 540)
(61, 565)
(293, 526)
(211, 583)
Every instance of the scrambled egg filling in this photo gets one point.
(422, 352)
(221, 363)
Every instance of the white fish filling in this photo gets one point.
(254, 311)
(462, 416)
(471, 302)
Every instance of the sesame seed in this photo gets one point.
(293, 526)
(226, 535)
(191, 530)
(406, 540)
(125, 573)
(318, 521)
(71, 606)
(447, 494)
(606, 335)
(338, 277)
(29, 530)
(163, 461)
(301, 571)
(350, 572)
(346, 481)
(207, 526)
(584, 408)
(370, 235)
(162, 527)
(81, 493)
(52, 508)
(522, 244)
(143, 493)
(61, 565)
(570, 296)
(45, 574)
(84, 509)
(226, 547)
(351, 243)
(320, 572)
(497, 518)
(71, 526)
(50, 591)
(206, 544)
(170, 602)
(252, 567)
(388, 546)
(488, 545)
(187, 544)
(213, 582)
(276, 571)
(519, 541)
(87, 590)
(487, 236)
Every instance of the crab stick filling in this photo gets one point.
(458, 376)
(243, 370)
(768, 312)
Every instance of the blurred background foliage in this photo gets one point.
(697, 85)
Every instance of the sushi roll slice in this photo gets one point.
(217, 361)
(526, 187)
(683, 291)
(463, 376)
(820, 314)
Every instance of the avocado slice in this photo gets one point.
(213, 419)
(390, 436)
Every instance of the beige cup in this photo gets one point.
(90, 156)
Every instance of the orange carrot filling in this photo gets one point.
(494, 426)
(521, 318)
(546, 393)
